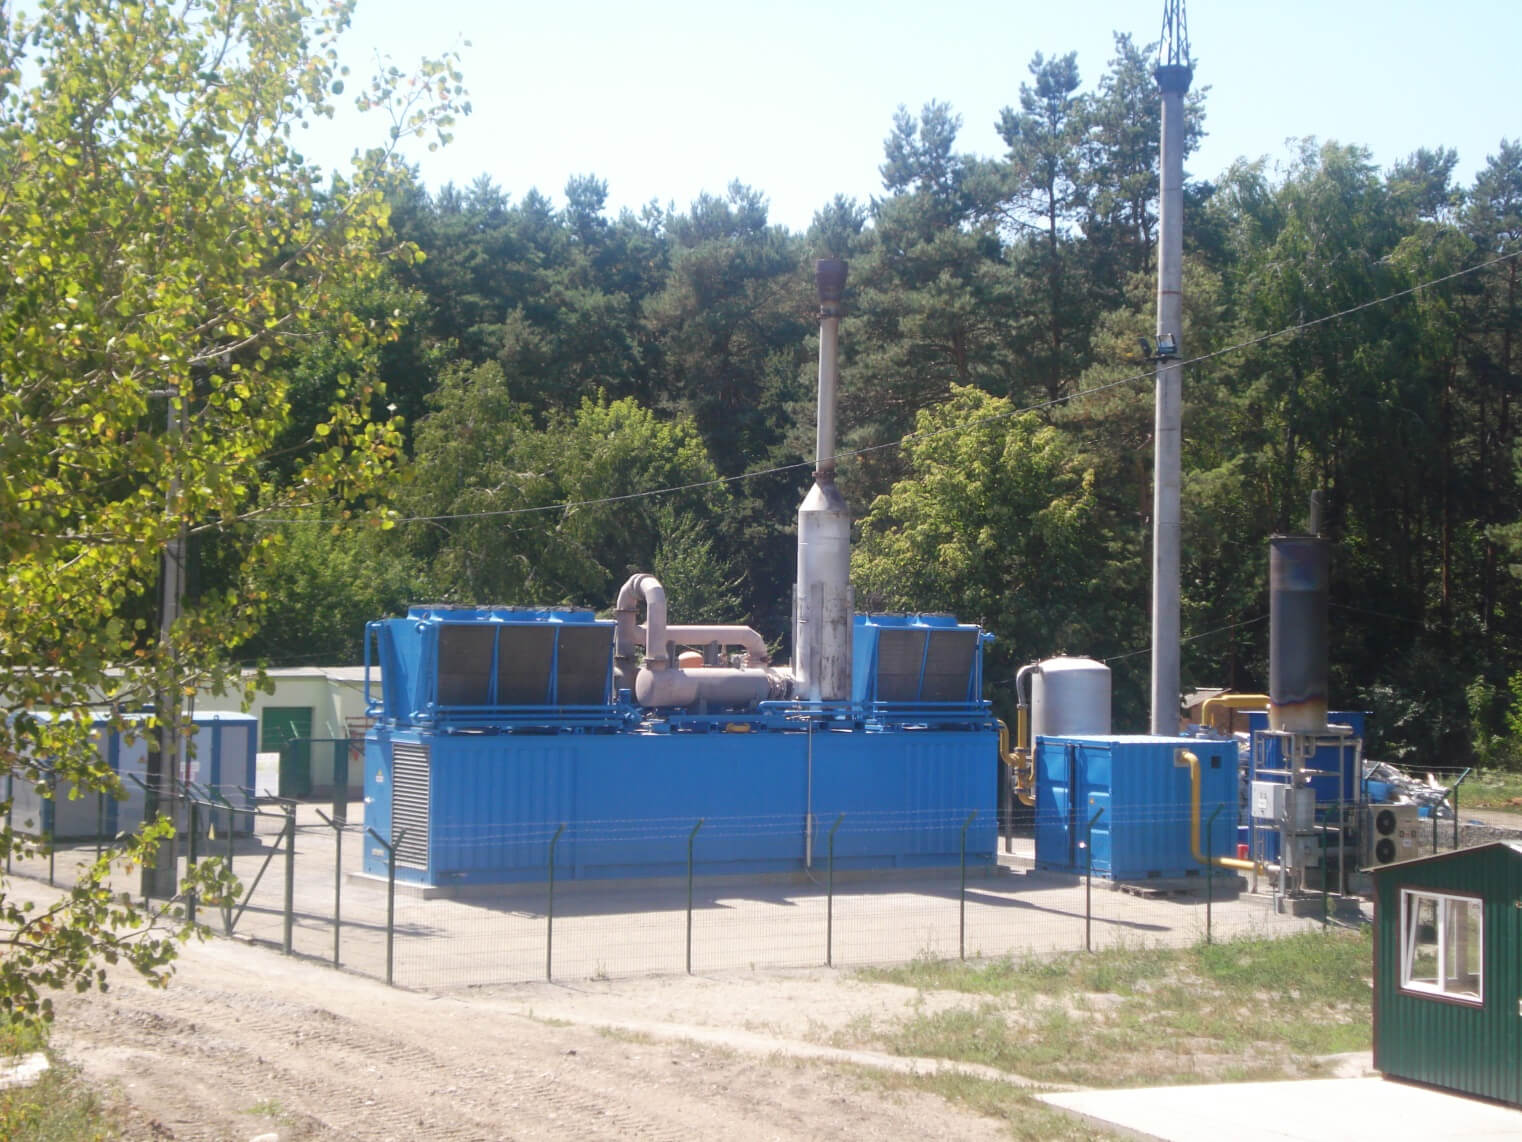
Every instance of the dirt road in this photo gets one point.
(246, 1043)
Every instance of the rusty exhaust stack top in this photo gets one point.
(822, 604)
(830, 275)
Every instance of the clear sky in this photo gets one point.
(668, 98)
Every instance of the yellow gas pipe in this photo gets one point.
(1231, 702)
(1187, 757)
(1019, 759)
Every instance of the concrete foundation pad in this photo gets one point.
(1316, 1110)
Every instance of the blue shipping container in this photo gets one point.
(1138, 797)
(484, 807)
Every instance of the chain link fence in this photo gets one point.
(303, 890)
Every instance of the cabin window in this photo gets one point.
(1442, 950)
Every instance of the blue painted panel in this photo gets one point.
(630, 800)
(377, 797)
(1145, 830)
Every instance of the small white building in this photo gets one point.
(307, 702)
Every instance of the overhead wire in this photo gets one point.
(960, 426)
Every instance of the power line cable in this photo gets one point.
(1192, 638)
(961, 426)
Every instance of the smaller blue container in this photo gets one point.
(1131, 797)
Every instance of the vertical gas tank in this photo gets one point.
(1070, 697)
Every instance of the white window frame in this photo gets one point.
(1446, 913)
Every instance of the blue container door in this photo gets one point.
(1099, 835)
(1056, 841)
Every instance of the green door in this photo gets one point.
(279, 724)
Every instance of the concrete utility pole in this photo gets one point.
(165, 769)
(1173, 73)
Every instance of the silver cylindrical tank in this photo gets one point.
(1070, 697)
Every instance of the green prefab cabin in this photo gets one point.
(1448, 971)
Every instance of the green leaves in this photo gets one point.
(164, 253)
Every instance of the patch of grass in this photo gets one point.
(18, 1037)
(267, 1108)
(1250, 1009)
(58, 1107)
(1490, 789)
(624, 1035)
(1027, 1119)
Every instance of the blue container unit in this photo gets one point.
(1144, 829)
(490, 744)
(482, 808)
(221, 760)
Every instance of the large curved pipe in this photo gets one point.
(660, 682)
(1188, 757)
(657, 632)
(1231, 702)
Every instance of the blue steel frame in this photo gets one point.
(409, 684)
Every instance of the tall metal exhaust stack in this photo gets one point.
(1299, 578)
(1173, 73)
(823, 605)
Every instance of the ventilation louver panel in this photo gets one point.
(523, 665)
(948, 665)
(465, 665)
(586, 655)
(900, 657)
(409, 802)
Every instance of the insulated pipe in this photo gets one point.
(660, 683)
(746, 638)
(1187, 757)
(656, 632)
(1231, 702)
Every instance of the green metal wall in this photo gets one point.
(1475, 1050)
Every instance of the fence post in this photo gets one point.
(1210, 870)
(290, 874)
(190, 859)
(1325, 879)
(100, 820)
(1088, 883)
(829, 899)
(962, 893)
(52, 812)
(10, 807)
(338, 878)
(390, 847)
(691, 840)
(1456, 785)
(549, 917)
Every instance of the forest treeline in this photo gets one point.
(996, 407)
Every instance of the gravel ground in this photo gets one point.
(246, 1042)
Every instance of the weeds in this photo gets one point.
(1246, 1009)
